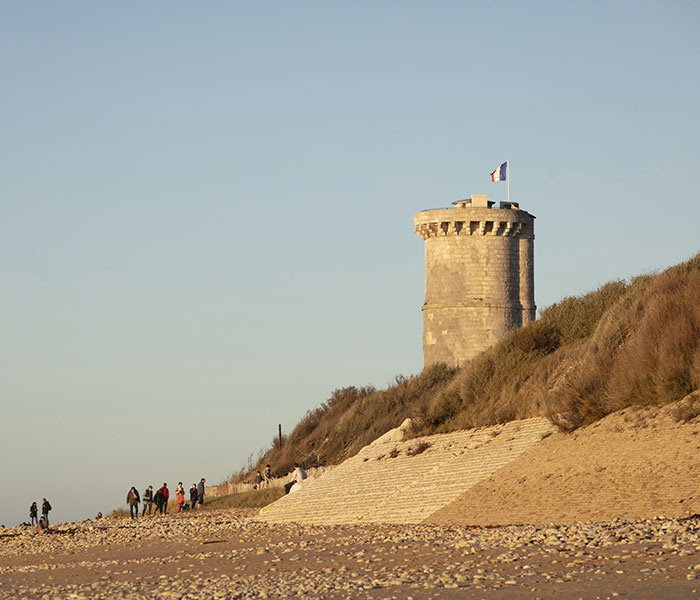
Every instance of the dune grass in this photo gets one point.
(626, 343)
(251, 499)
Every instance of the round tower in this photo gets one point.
(479, 276)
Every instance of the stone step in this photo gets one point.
(373, 486)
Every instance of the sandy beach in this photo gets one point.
(230, 555)
(633, 464)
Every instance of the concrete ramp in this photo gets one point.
(407, 481)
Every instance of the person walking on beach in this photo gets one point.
(147, 500)
(257, 481)
(200, 491)
(298, 475)
(45, 508)
(133, 499)
(159, 499)
(193, 496)
(179, 496)
(33, 512)
(166, 497)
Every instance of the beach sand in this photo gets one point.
(229, 555)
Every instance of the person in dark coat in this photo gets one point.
(33, 512)
(133, 499)
(193, 496)
(200, 491)
(159, 499)
(147, 500)
(43, 525)
(45, 508)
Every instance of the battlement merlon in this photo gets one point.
(475, 216)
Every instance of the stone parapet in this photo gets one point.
(473, 221)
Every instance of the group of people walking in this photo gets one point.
(42, 523)
(161, 497)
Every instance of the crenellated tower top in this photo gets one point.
(479, 276)
(475, 216)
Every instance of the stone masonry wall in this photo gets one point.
(479, 277)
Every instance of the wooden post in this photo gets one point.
(279, 430)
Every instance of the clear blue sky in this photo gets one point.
(206, 208)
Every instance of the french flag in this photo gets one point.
(500, 174)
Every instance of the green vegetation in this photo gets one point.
(627, 343)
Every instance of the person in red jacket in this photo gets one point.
(180, 496)
(166, 495)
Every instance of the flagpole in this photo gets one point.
(508, 181)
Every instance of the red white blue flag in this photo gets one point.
(500, 174)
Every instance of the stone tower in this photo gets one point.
(479, 276)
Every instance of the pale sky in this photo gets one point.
(206, 208)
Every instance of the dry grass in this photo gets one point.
(349, 420)
(625, 344)
(687, 410)
(251, 499)
(621, 345)
(419, 448)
